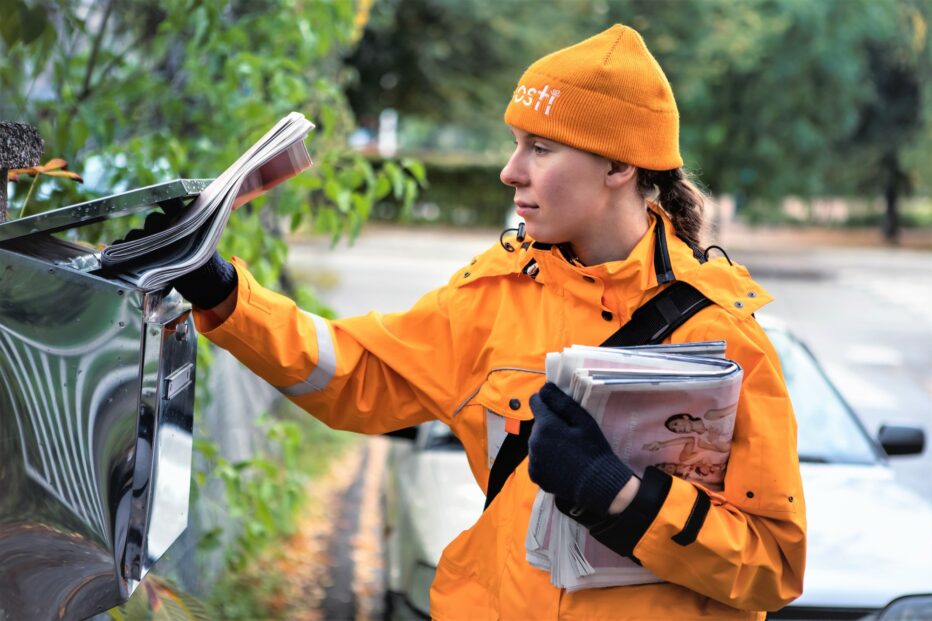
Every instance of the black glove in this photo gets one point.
(209, 284)
(206, 286)
(569, 456)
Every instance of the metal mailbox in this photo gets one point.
(96, 403)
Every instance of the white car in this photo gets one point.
(869, 536)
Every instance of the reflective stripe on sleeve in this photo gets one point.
(326, 362)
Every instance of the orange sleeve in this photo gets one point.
(369, 374)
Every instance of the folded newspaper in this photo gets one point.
(155, 260)
(668, 406)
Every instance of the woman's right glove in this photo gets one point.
(569, 456)
(206, 286)
(209, 284)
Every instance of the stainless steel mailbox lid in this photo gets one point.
(103, 208)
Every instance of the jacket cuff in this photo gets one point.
(206, 322)
(269, 334)
(622, 532)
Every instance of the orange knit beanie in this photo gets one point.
(606, 95)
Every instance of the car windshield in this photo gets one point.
(828, 431)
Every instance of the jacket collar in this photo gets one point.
(647, 265)
(658, 258)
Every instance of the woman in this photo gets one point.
(611, 221)
(714, 430)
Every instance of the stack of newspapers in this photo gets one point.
(155, 260)
(668, 406)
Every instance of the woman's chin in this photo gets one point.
(542, 234)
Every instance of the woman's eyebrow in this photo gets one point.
(528, 137)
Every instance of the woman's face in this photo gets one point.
(559, 191)
(680, 425)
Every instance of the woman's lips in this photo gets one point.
(523, 209)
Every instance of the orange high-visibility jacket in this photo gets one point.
(475, 349)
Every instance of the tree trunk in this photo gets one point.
(891, 219)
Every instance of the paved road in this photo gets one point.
(866, 313)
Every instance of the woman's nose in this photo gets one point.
(513, 173)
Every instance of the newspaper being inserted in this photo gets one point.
(155, 260)
(668, 406)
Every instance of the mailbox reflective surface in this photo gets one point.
(96, 401)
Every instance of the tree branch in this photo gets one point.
(95, 50)
(120, 55)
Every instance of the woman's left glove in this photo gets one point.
(569, 456)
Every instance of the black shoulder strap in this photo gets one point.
(650, 324)
(660, 316)
(510, 455)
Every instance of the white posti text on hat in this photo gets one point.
(535, 97)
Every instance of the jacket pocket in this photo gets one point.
(505, 401)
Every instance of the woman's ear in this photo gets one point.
(620, 174)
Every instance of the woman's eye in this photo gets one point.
(540, 149)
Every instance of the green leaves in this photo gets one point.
(184, 99)
(21, 23)
(263, 493)
(416, 169)
(180, 88)
(396, 177)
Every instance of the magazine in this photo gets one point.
(668, 406)
(155, 260)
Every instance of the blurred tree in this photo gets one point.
(892, 118)
(449, 62)
(766, 88)
(777, 97)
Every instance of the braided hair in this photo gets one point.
(679, 196)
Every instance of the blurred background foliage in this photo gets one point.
(777, 97)
(136, 92)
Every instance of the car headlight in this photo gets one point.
(419, 592)
(909, 608)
